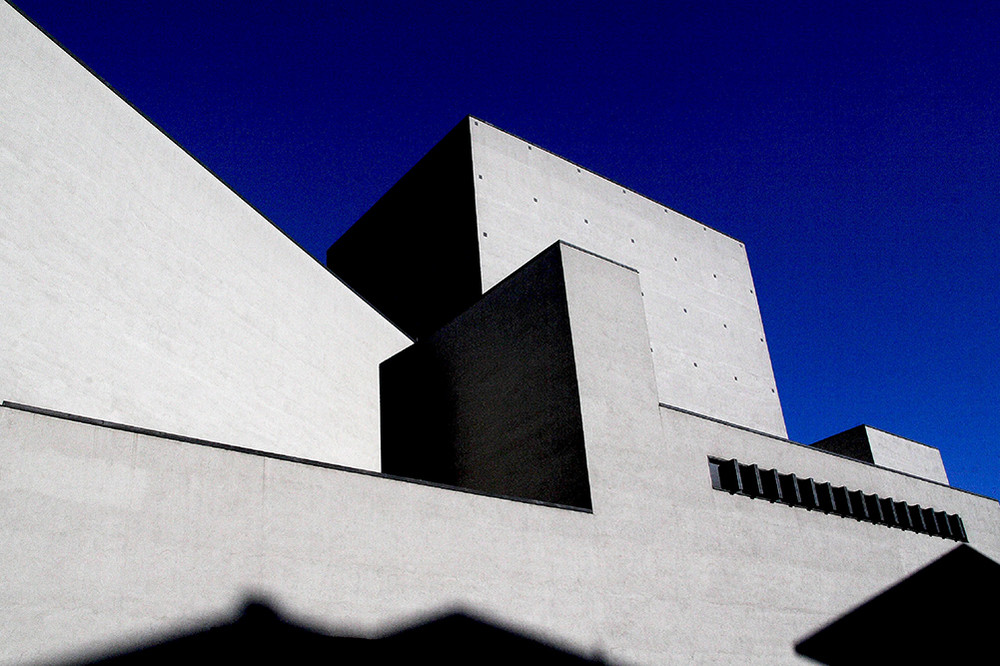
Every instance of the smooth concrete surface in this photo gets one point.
(706, 334)
(490, 401)
(138, 288)
(794, 570)
(114, 534)
(906, 455)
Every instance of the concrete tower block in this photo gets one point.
(539, 390)
(483, 203)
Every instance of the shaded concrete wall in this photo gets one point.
(114, 533)
(413, 255)
(705, 329)
(136, 287)
(490, 401)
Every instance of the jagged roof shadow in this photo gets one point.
(258, 634)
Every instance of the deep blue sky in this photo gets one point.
(854, 148)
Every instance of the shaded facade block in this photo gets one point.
(484, 202)
(414, 254)
(490, 401)
(884, 449)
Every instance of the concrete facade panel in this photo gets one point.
(795, 568)
(705, 329)
(664, 571)
(138, 288)
(896, 452)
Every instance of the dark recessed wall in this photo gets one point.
(490, 402)
(414, 255)
(852, 443)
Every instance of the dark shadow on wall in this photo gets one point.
(415, 255)
(491, 401)
(944, 613)
(259, 635)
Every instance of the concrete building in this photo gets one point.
(550, 401)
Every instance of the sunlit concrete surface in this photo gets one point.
(138, 288)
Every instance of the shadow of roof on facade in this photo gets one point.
(258, 635)
(941, 612)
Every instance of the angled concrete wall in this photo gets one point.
(138, 288)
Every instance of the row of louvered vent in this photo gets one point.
(740, 478)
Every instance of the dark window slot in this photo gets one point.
(750, 476)
(790, 489)
(729, 476)
(889, 511)
(842, 501)
(827, 503)
(957, 527)
(859, 509)
(916, 517)
(941, 518)
(807, 489)
(769, 485)
(930, 521)
(874, 509)
(903, 515)
(713, 473)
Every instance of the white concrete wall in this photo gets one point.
(112, 534)
(138, 288)
(906, 455)
(767, 574)
(705, 329)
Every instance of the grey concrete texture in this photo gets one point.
(705, 329)
(906, 455)
(114, 534)
(882, 448)
(138, 288)
(490, 401)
